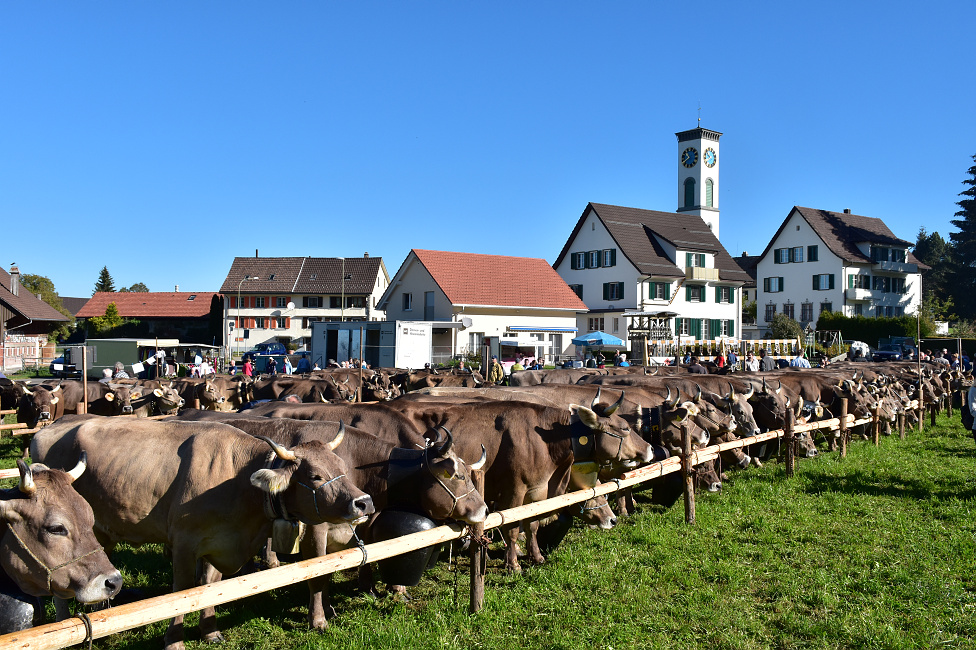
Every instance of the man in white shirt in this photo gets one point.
(799, 361)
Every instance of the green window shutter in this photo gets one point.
(677, 326)
(687, 293)
(573, 261)
(704, 294)
(732, 328)
(613, 257)
(830, 281)
(701, 260)
(815, 283)
(850, 281)
(688, 261)
(694, 328)
(716, 326)
(667, 291)
(718, 294)
(606, 291)
(731, 295)
(620, 291)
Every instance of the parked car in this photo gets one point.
(859, 350)
(64, 370)
(265, 348)
(888, 352)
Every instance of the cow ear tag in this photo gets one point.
(583, 440)
(447, 474)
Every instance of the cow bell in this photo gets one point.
(407, 568)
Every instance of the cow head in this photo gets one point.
(210, 396)
(710, 418)
(36, 406)
(446, 490)
(738, 406)
(168, 401)
(610, 438)
(47, 545)
(311, 484)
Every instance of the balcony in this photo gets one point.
(859, 294)
(700, 273)
(896, 267)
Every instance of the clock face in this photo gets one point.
(710, 157)
(689, 157)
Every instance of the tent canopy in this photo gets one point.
(597, 339)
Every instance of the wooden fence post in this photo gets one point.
(790, 441)
(901, 425)
(933, 412)
(843, 427)
(876, 426)
(687, 469)
(921, 407)
(477, 552)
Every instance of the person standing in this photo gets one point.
(496, 374)
(288, 367)
(272, 366)
(248, 368)
(766, 362)
(751, 363)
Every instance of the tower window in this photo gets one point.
(708, 192)
(689, 192)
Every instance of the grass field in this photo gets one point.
(877, 550)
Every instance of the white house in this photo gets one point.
(470, 296)
(659, 275)
(828, 261)
(276, 298)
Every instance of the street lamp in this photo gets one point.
(246, 277)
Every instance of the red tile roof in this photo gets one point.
(154, 304)
(499, 280)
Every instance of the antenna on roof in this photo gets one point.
(699, 115)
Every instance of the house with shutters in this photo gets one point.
(821, 261)
(271, 299)
(654, 275)
(468, 297)
(25, 324)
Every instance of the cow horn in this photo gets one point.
(667, 400)
(79, 469)
(752, 391)
(596, 398)
(484, 457)
(322, 397)
(334, 382)
(698, 397)
(764, 390)
(339, 436)
(446, 447)
(799, 407)
(281, 452)
(26, 478)
(56, 388)
(610, 410)
(27, 391)
(780, 387)
(731, 391)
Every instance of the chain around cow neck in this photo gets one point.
(48, 570)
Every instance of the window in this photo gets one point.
(689, 192)
(682, 326)
(659, 291)
(577, 289)
(613, 290)
(594, 324)
(859, 281)
(781, 256)
(335, 302)
(311, 301)
(788, 309)
(725, 295)
(259, 302)
(813, 253)
(355, 302)
(770, 312)
(882, 283)
(898, 285)
(610, 257)
(192, 297)
(476, 341)
(593, 260)
(772, 285)
(898, 255)
(280, 322)
(826, 306)
(281, 301)
(708, 193)
(879, 311)
(823, 281)
(407, 302)
(259, 323)
(694, 293)
(806, 311)
(695, 260)
(616, 324)
(555, 345)
(271, 277)
(859, 309)
(428, 305)
(796, 254)
(577, 261)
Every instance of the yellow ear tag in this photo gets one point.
(583, 440)
(447, 474)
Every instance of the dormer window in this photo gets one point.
(192, 297)
(695, 259)
(271, 277)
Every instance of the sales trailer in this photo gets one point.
(382, 344)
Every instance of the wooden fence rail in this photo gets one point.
(144, 612)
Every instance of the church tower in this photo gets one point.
(698, 162)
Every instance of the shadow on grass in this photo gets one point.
(887, 485)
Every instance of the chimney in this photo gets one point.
(255, 252)
(14, 280)
(847, 210)
(176, 288)
(745, 254)
(366, 255)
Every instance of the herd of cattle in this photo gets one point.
(243, 466)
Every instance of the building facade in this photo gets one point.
(276, 298)
(828, 261)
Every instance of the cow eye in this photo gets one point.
(57, 529)
(316, 477)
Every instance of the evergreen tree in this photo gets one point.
(936, 252)
(105, 282)
(964, 248)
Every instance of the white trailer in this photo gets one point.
(382, 344)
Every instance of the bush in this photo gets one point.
(871, 330)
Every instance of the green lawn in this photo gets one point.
(874, 551)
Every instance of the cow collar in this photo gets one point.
(48, 570)
(583, 439)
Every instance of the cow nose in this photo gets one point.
(45, 416)
(362, 506)
(613, 522)
(715, 487)
(113, 584)
(127, 409)
(745, 462)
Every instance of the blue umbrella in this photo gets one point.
(597, 339)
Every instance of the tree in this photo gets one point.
(105, 282)
(38, 284)
(964, 248)
(138, 287)
(937, 253)
(784, 327)
(107, 321)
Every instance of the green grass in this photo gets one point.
(877, 550)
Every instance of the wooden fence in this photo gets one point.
(151, 610)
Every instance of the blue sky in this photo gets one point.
(163, 139)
